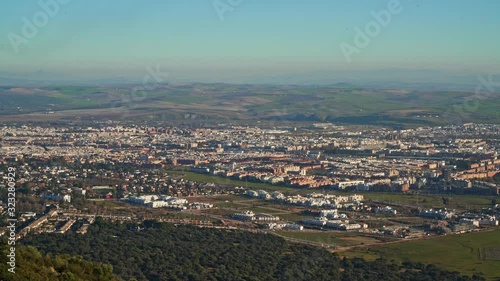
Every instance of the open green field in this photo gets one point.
(428, 201)
(473, 253)
(230, 205)
(111, 204)
(247, 102)
(333, 238)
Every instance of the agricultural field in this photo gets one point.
(336, 104)
(472, 253)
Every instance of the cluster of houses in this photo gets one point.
(332, 219)
(311, 200)
(48, 221)
(288, 226)
(165, 201)
(385, 210)
(337, 224)
(471, 220)
(57, 197)
(251, 216)
(482, 220)
(328, 218)
(440, 214)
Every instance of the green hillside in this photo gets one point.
(475, 253)
(160, 251)
(264, 102)
(33, 266)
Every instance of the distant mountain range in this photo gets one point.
(340, 102)
(380, 79)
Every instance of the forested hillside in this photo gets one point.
(166, 252)
(33, 266)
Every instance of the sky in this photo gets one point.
(233, 40)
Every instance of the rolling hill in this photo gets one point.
(335, 103)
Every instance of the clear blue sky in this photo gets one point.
(259, 37)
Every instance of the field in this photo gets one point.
(492, 253)
(333, 238)
(473, 253)
(462, 202)
(244, 102)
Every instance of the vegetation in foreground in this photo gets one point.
(32, 265)
(160, 251)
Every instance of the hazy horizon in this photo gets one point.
(249, 41)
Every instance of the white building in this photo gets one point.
(252, 193)
(345, 184)
(244, 216)
(58, 197)
(333, 213)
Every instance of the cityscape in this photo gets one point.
(249, 140)
(294, 180)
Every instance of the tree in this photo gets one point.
(446, 200)
(164, 252)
